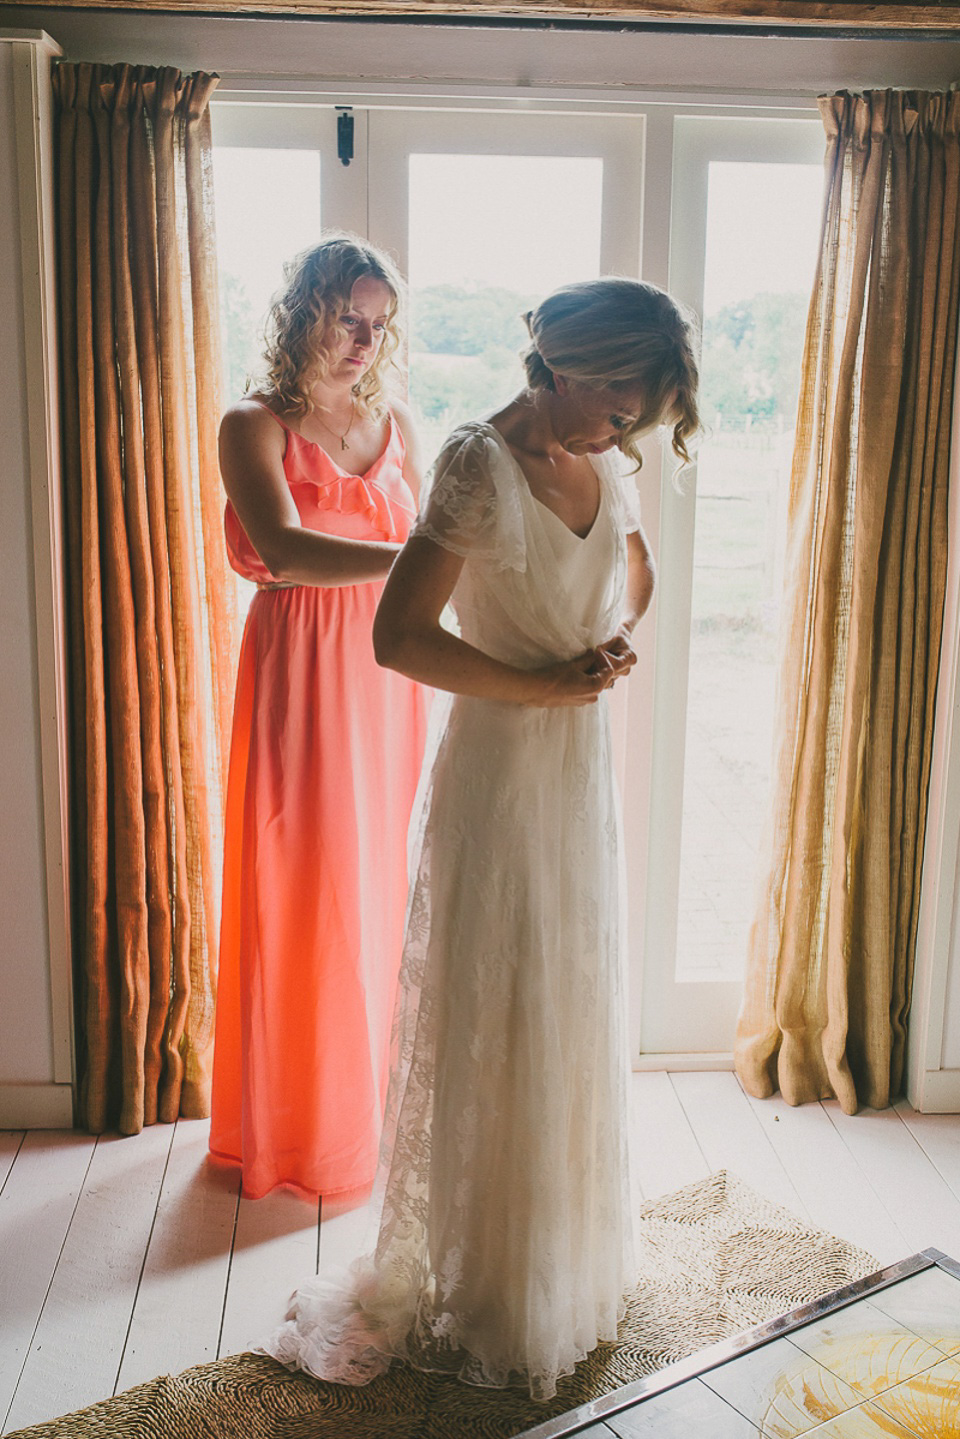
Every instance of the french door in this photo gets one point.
(746, 201)
(488, 210)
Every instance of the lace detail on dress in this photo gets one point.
(471, 505)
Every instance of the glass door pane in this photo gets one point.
(275, 183)
(745, 229)
(277, 180)
(488, 213)
(253, 241)
(757, 286)
(473, 275)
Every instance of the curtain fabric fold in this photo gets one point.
(151, 623)
(832, 945)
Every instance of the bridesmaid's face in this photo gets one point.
(365, 324)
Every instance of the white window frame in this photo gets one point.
(397, 136)
(271, 124)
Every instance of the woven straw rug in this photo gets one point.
(715, 1258)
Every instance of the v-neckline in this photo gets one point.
(526, 485)
(348, 474)
(581, 539)
(315, 444)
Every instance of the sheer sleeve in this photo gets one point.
(470, 506)
(623, 492)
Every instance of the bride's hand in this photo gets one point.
(616, 657)
(569, 682)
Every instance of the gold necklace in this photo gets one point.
(342, 438)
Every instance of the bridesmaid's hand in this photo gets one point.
(570, 682)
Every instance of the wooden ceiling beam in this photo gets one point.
(927, 15)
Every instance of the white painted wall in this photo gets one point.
(933, 1048)
(25, 1027)
(594, 61)
(35, 1068)
(948, 716)
(950, 1053)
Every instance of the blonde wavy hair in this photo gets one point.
(626, 337)
(303, 323)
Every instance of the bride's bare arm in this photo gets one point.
(408, 636)
(641, 577)
(618, 652)
(251, 464)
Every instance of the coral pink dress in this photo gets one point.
(324, 763)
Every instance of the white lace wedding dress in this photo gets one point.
(504, 1246)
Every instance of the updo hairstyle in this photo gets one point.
(621, 335)
(303, 323)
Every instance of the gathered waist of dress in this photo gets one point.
(524, 652)
(278, 585)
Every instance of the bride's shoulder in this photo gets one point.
(462, 510)
(619, 479)
(468, 451)
(471, 506)
(471, 432)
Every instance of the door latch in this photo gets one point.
(344, 134)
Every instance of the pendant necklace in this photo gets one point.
(342, 438)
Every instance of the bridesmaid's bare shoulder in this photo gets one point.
(252, 437)
(413, 467)
(253, 418)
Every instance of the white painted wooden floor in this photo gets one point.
(121, 1259)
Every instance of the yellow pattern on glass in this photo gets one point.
(884, 1367)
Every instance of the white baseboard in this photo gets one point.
(36, 1106)
(681, 1062)
(935, 1091)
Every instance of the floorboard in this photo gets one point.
(911, 1190)
(180, 1303)
(275, 1247)
(731, 1136)
(827, 1178)
(346, 1230)
(664, 1149)
(76, 1350)
(36, 1207)
(124, 1258)
(938, 1135)
(10, 1142)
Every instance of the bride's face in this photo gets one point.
(588, 421)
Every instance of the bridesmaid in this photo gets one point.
(321, 475)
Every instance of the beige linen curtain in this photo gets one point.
(151, 628)
(832, 946)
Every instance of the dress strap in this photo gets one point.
(264, 406)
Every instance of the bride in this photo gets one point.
(504, 1249)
